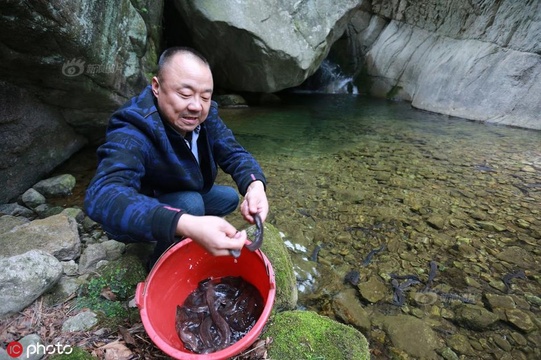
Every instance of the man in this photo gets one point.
(157, 167)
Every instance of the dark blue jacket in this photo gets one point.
(141, 158)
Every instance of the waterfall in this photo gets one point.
(329, 79)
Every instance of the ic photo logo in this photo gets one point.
(16, 349)
(73, 67)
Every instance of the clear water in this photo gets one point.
(347, 174)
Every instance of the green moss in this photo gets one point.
(286, 284)
(393, 92)
(307, 335)
(76, 354)
(120, 278)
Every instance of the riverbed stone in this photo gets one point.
(460, 344)
(502, 343)
(517, 255)
(405, 332)
(500, 301)
(373, 290)
(475, 317)
(520, 319)
(348, 308)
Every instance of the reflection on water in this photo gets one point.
(347, 175)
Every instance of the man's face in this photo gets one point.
(184, 92)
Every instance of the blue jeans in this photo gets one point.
(219, 201)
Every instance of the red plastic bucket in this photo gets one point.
(177, 273)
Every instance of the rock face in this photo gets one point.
(476, 60)
(77, 62)
(265, 46)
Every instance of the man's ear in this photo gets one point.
(155, 86)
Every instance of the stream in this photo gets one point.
(369, 191)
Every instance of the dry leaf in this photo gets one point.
(108, 294)
(115, 351)
(127, 336)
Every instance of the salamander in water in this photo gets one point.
(513, 275)
(368, 259)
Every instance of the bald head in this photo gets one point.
(170, 53)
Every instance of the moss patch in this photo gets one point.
(307, 335)
(286, 284)
(75, 354)
(108, 292)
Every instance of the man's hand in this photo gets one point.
(213, 233)
(255, 202)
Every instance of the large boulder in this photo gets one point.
(265, 46)
(25, 277)
(478, 61)
(77, 61)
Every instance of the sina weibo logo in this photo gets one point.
(73, 67)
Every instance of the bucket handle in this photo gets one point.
(139, 294)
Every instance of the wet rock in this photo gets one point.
(460, 344)
(348, 308)
(373, 290)
(518, 256)
(490, 226)
(532, 299)
(448, 354)
(500, 301)
(436, 221)
(502, 343)
(520, 319)
(406, 331)
(475, 317)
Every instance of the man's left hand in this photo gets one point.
(255, 202)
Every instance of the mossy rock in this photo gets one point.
(276, 251)
(119, 278)
(75, 354)
(307, 335)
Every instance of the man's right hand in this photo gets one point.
(213, 233)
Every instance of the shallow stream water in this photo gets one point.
(347, 174)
